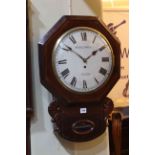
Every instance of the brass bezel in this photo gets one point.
(54, 51)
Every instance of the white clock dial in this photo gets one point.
(82, 59)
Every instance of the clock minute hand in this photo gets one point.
(94, 52)
(71, 50)
(83, 59)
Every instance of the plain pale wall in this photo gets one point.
(43, 14)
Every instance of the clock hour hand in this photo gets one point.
(67, 48)
(94, 52)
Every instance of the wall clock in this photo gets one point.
(79, 64)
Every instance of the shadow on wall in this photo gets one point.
(41, 96)
(34, 31)
(95, 6)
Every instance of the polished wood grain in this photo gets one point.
(119, 131)
(94, 121)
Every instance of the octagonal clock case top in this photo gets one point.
(79, 57)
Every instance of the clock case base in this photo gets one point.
(80, 123)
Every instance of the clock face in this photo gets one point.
(82, 59)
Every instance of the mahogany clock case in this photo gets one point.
(72, 125)
(47, 76)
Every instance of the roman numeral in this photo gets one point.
(105, 59)
(65, 73)
(84, 84)
(102, 71)
(72, 39)
(67, 48)
(62, 61)
(84, 36)
(94, 39)
(73, 82)
(96, 80)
